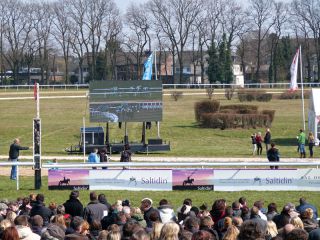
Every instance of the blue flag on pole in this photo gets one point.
(147, 75)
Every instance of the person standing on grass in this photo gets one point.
(126, 154)
(267, 139)
(14, 156)
(94, 157)
(302, 142)
(311, 143)
(259, 143)
(254, 144)
(273, 155)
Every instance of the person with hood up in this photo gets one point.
(166, 212)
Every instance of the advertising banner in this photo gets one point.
(134, 180)
(266, 179)
(192, 179)
(72, 179)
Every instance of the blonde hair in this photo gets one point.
(231, 233)
(297, 222)
(114, 235)
(135, 210)
(227, 222)
(308, 213)
(59, 219)
(272, 228)
(156, 230)
(5, 223)
(103, 235)
(11, 216)
(169, 231)
(84, 227)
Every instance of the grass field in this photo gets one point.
(62, 119)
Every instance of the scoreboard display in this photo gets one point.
(125, 101)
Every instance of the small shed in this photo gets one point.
(314, 114)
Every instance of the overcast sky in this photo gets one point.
(123, 4)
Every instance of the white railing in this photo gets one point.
(165, 86)
(17, 164)
(179, 164)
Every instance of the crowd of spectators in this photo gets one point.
(30, 219)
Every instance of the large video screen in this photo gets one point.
(125, 101)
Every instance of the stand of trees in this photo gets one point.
(94, 36)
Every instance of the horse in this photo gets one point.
(64, 181)
(188, 181)
(133, 179)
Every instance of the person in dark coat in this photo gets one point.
(40, 209)
(148, 210)
(14, 156)
(273, 155)
(102, 199)
(267, 139)
(94, 210)
(304, 205)
(73, 206)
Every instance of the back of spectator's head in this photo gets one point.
(52, 206)
(254, 211)
(40, 197)
(227, 222)
(308, 213)
(204, 207)
(187, 201)
(140, 235)
(297, 222)
(126, 203)
(206, 222)
(59, 219)
(103, 235)
(194, 211)
(61, 209)
(129, 228)
(219, 205)
(5, 223)
(170, 230)
(74, 194)
(229, 211)
(287, 229)
(163, 202)
(93, 196)
(272, 228)
(10, 233)
(191, 224)
(272, 207)
(113, 235)
(11, 216)
(253, 229)
(242, 200)
(302, 200)
(37, 221)
(236, 205)
(202, 235)
(76, 223)
(102, 197)
(258, 204)
(297, 234)
(237, 221)
(154, 216)
(156, 230)
(95, 225)
(231, 233)
(21, 220)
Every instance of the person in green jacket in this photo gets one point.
(302, 142)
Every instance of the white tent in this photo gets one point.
(314, 114)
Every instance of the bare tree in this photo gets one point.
(18, 25)
(139, 36)
(62, 32)
(43, 13)
(307, 14)
(175, 18)
(260, 13)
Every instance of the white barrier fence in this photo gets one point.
(165, 86)
(164, 165)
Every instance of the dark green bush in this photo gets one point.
(206, 106)
(294, 95)
(241, 108)
(253, 95)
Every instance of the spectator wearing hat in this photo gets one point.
(304, 205)
(94, 210)
(146, 207)
(3, 211)
(73, 206)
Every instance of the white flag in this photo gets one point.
(294, 72)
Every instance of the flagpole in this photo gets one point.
(155, 64)
(38, 102)
(302, 93)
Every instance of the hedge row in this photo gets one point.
(240, 109)
(225, 120)
(294, 95)
(248, 96)
(206, 106)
